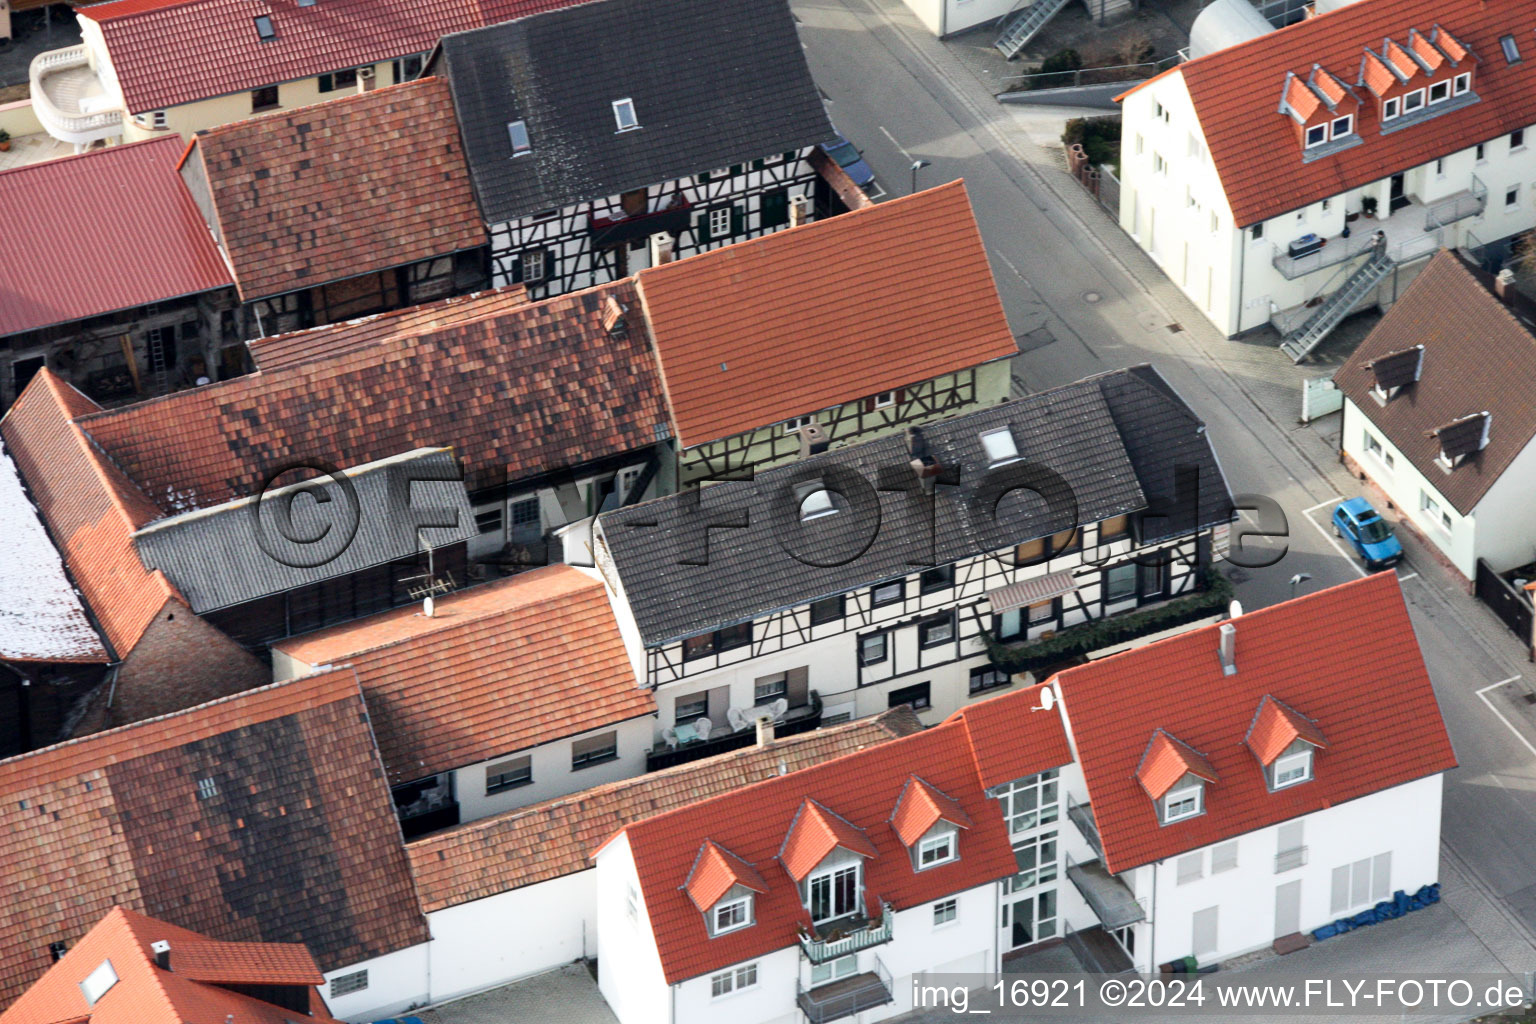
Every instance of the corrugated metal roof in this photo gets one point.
(107, 230)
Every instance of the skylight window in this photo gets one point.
(815, 501)
(98, 982)
(264, 30)
(624, 115)
(1511, 49)
(1000, 446)
(518, 132)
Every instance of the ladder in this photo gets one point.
(1300, 342)
(1025, 25)
(159, 374)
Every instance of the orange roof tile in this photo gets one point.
(146, 994)
(1276, 726)
(816, 832)
(716, 872)
(293, 210)
(525, 660)
(1166, 761)
(91, 509)
(1401, 59)
(1300, 97)
(262, 816)
(1377, 73)
(1327, 83)
(822, 314)
(1425, 50)
(1449, 44)
(1010, 740)
(1233, 95)
(480, 859)
(1347, 654)
(920, 807)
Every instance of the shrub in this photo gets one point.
(1099, 137)
(1056, 70)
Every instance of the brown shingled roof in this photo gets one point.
(341, 188)
(1477, 356)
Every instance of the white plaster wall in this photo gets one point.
(966, 944)
(770, 1001)
(513, 935)
(960, 15)
(1505, 531)
(930, 13)
(396, 981)
(1404, 821)
(629, 973)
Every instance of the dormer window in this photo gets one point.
(730, 915)
(1000, 446)
(1413, 101)
(1292, 767)
(835, 893)
(1461, 83)
(1461, 439)
(1395, 371)
(624, 115)
(723, 887)
(1174, 775)
(936, 850)
(1341, 127)
(1185, 800)
(1317, 135)
(1285, 742)
(1439, 92)
(815, 501)
(517, 131)
(1390, 109)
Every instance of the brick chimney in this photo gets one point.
(661, 248)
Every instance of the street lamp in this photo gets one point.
(1300, 577)
(917, 165)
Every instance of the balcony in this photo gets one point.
(1110, 899)
(1466, 203)
(69, 99)
(846, 996)
(1081, 815)
(1412, 230)
(673, 218)
(847, 936)
(796, 720)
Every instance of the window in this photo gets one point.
(531, 267)
(98, 982)
(1000, 447)
(527, 524)
(1256, 232)
(1139, 144)
(207, 789)
(1042, 611)
(726, 982)
(732, 915)
(1042, 548)
(1120, 583)
(945, 911)
(770, 688)
(1030, 802)
(264, 98)
(887, 593)
(1291, 767)
(408, 69)
(935, 850)
(1439, 91)
(936, 631)
(1440, 167)
(489, 521)
(1482, 152)
(1511, 49)
(1462, 83)
(1428, 504)
(1389, 109)
(624, 115)
(828, 609)
(815, 501)
(725, 639)
(774, 211)
(1191, 867)
(508, 775)
(687, 709)
(988, 678)
(793, 426)
(1512, 196)
(153, 119)
(1159, 165)
(1516, 139)
(834, 893)
(915, 697)
(1114, 528)
(1317, 135)
(940, 577)
(339, 80)
(264, 30)
(1036, 860)
(842, 967)
(517, 132)
(1185, 801)
(1413, 101)
(720, 222)
(1223, 857)
(594, 750)
(872, 649)
(632, 902)
(1362, 883)
(346, 984)
(1341, 127)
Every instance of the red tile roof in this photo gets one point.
(340, 189)
(526, 660)
(91, 509)
(921, 807)
(831, 311)
(99, 232)
(1366, 687)
(815, 833)
(262, 816)
(1478, 356)
(716, 872)
(1276, 727)
(145, 994)
(168, 52)
(518, 394)
(1166, 761)
(1256, 152)
(1010, 739)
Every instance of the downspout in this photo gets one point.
(1242, 273)
(672, 1013)
(1152, 931)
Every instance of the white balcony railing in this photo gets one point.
(64, 89)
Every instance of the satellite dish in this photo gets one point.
(1235, 610)
(1047, 699)
(427, 605)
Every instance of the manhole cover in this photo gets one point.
(1091, 297)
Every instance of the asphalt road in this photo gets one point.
(1070, 276)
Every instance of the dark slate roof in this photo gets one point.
(1105, 446)
(1397, 369)
(240, 551)
(713, 84)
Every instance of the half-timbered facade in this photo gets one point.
(591, 164)
(870, 576)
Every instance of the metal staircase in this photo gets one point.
(1025, 24)
(1300, 342)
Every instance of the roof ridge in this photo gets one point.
(49, 165)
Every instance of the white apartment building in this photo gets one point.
(1259, 173)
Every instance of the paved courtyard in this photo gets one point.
(568, 995)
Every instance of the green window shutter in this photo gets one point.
(757, 164)
(775, 208)
(701, 229)
(738, 220)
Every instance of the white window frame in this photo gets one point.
(719, 222)
(815, 502)
(1224, 857)
(1335, 132)
(1513, 190)
(624, 111)
(1461, 83)
(517, 135)
(1000, 446)
(792, 426)
(1409, 104)
(737, 979)
(1321, 131)
(1391, 109)
(885, 399)
(1176, 799)
(533, 258)
(738, 914)
(929, 850)
(1284, 771)
(831, 876)
(1045, 852)
(1041, 795)
(946, 912)
(885, 648)
(834, 970)
(1445, 92)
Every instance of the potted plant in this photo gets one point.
(1368, 206)
(5, 141)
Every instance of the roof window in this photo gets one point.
(1395, 371)
(98, 983)
(1000, 446)
(814, 500)
(518, 132)
(264, 29)
(307, 3)
(1511, 49)
(624, 115)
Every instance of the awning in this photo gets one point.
(1109, 898)
(1031, 591)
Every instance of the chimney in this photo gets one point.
(765, 731)
(799, 211)
(661, 248)
(365, 80)
(813, 439)
(162, 951)
(925, 466)
(1228, 649)
(1504, 286)
(613, 316)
